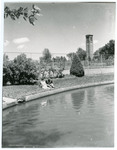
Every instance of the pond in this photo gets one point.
(79, 118)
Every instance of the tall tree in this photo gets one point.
(81, 54)
(5, 59)
(47, 55)
(107, 50)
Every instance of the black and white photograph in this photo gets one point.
(58, 61)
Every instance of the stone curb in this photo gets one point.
(12, 102)
(8, 102)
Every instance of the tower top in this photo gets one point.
(88, 35)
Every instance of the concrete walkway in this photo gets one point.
(8, 102)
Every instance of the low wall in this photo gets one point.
(8, 102)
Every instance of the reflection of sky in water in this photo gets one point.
(81, 117)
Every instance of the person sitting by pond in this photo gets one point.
(49, 83)
(43, 84)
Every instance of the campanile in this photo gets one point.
(89, 46)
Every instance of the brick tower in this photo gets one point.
(89, 46)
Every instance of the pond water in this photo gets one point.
(79, 118)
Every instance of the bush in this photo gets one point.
(6, 70)
(6, 75)
(76, 67)
(25, 69)
(21, 70)
(60, 74)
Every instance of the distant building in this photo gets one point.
(89, 46)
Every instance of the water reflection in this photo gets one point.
(50, 101)
(109, 90)
(53, 121)
(77, 99)
(91, 98)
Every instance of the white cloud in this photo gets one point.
(6, 42)
(20, 46)
(21, 40)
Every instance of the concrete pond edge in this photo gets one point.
(9, 102)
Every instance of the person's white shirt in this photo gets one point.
(44, 85)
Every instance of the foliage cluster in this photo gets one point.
(76, 67)
(24, 12)
(21, 70)
(107, 50)
(51, 67)
(106, 53)
(80, 53)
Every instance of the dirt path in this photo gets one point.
(95, 71)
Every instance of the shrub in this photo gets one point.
(6, 74)
(60, 74)
(76, 67)
(26, 70)
(21, 70)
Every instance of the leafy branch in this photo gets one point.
(24, 12)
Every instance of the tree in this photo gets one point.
(6, 70)
(81, 54)
(21, 70)
(14, 72)
(112, 47)
(76, 67)
(25, 69)
(46, 58)
(45, 61)
(71, 55)
(24, 12)
(47, 55)
(62, 62)
(5, 59)
(107, 50)
(59, 61)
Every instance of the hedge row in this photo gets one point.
(23, 70)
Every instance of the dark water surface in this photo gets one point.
(79, 118)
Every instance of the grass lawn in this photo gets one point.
(17, 91)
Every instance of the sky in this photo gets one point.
(61, 28)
